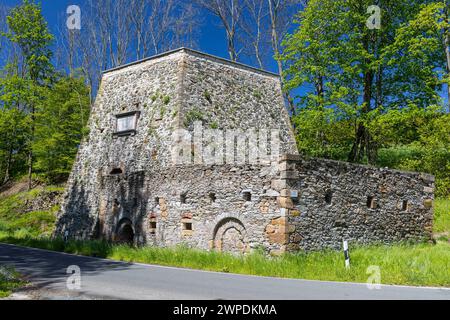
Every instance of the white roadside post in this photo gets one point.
(346, 254)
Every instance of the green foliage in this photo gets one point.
(15, 220)
(321, 133)
(442, 216)
(214, 125)
(193, 116)
(207, 96)
(43, 116)
(28, 29)
(402, 264)
(9, 280)
(61, 123)
(166, 100)
(257, 94)
(372, 95)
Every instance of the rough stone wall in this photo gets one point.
(126, 188)
(151, 89)
(338, 201)
(211, 198)
(230, 97)
(165, 90)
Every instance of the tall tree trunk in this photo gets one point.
(447, 48)
(276, 50)
(30, 152)
(8, 166)
(362, 144)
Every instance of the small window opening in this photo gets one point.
(157, 200)
(247, 195)
(212, 197)
(328, 196)
(371, 203)
(126, 122)
(116, 171)
(405, 205)
(187, 226)
(183, 198)
(152, 227)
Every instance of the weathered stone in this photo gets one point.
(278, 238)
(281, 221)
(428, 203)
(294, 213)
(270, 229)
(285, 202)
(279, 184)
(428, 190)
(119, 179)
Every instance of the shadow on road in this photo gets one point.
(44, 267)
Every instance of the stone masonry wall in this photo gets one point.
(358, 203)
(211, 198)
(171, 92)
(126, 187)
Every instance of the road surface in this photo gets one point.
(106, 279)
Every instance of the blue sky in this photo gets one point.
(212, 36)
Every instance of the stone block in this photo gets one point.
(264, 207)
(291, 228)
(428, 189)
(279, 184)
(272, 193)
(281, 221)
(290, 157)
(292, 175)
(286, 166)
(270, 229)
(187, 233)
(428, 203)
(278, 238)
(285, 202)
(294, 213)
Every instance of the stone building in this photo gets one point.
(128, 185)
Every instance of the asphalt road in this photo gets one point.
(106, 279)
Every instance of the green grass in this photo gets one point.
(37, 223)
(442, 216)
(9, 280)
(403, 264)
(423, 264)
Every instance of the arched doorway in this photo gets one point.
(125, 233)
(230, 236)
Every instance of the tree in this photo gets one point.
(341, 59)
(421, 54)
(28, 29)
(254, 30)
(61, 119)
(117, 32)
(230, 14)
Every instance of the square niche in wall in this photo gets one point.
(126, 123)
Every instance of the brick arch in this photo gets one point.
(230, 235)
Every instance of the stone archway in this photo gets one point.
(230, 236)
(125, 232)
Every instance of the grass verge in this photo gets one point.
(9, 280)
(402, 264)
(442, 216)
